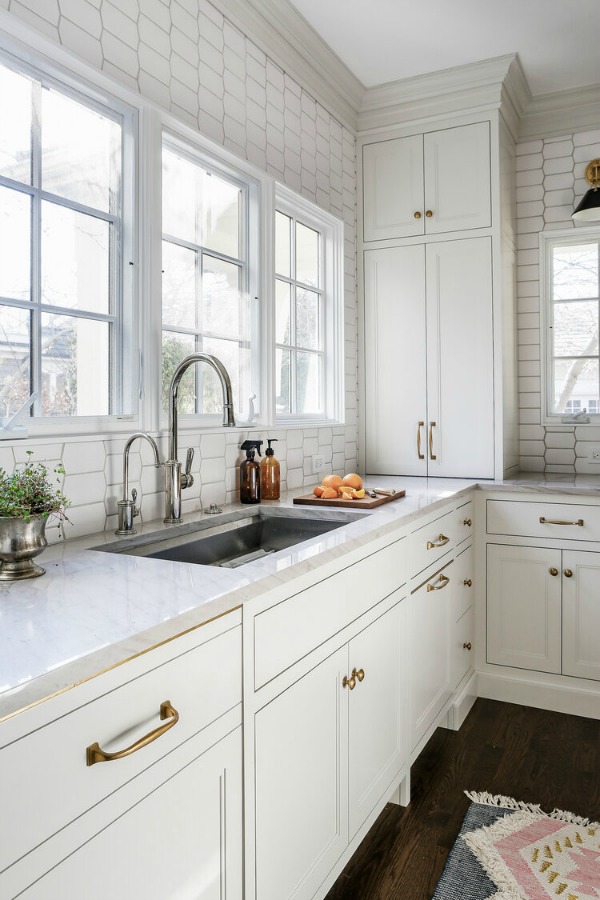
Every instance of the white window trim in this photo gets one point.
(289, 202)
(547, 240)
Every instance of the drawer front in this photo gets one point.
(561, 521)
(464, 583)
(462, 653)
(288, 631)
(464, 522)
(45, 782)
(428, 544)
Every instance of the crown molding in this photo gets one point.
(287, 38)
(562, 112)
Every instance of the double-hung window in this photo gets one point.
(571, 264)
(66, 323)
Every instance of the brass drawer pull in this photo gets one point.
(442, 582)
(544, 521)
(95, 754)
(468, 522)
(467, 582)
(349, 682)
(431, 453)
(467, 646)
(358, 674)
(442, 539)
(420, 455)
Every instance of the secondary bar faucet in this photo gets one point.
(175, 479)
(126, 508)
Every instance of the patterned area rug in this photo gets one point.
(508, 850)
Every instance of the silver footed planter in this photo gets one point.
(20, 542)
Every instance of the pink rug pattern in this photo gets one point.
(531, 855)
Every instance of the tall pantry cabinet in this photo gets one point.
(431, 267)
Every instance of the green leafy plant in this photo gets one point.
(32, 490)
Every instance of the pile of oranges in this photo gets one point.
(334, 486)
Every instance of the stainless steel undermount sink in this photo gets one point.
(233, 539)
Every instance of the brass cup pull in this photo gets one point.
(467, 522)
(417, 215)
(467, 646)
(419, 453)
(95, 754)
(568, 573)
(349, 682)
(359, 674)
(442, 539)
(544, 521)
(467, 582)
(429, 213)
(431, 453)
(442, 582)
(553, 571)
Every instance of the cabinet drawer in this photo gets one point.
(44, 779)
(431, 542)
(288, 631)
(562, 521)
(464, 522)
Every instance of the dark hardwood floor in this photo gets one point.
(530, 754)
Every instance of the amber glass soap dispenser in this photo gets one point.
(269, 474)
(250, 473)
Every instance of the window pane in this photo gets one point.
(237, 361)
(575, 379)
(176, 347)
(224, 310)
(283, 244)
(15, 244)
(15, 134)
(575, 272)
(80, 152)
(283, 314)
(221, 202)
(307, 255)
(75, 259)
(75, 366)
(178, 285)
(14, 359)
(307, 383)
(180, 200)
(576, 329)
(283, 381)
(307, 319)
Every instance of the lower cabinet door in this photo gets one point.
(301, 772)
(378, 712)
(524, 607)
(183, 840)
(581, 614)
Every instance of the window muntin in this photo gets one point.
(572, 311)
(62, 322)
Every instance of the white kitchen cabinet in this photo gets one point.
(429, 359)
(326, 750)
(427, 183)
(581, 614)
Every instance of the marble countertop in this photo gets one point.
(93, 610)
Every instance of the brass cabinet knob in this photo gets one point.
(467, 522)
(349, 682)
(467, 582)
(429, 213)
(417, 215)
(467, 646)
(568, 573)
(553, 571)
(358, 673)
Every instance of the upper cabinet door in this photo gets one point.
(457, 179)
(393, 188)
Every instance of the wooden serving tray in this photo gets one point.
(363, 503)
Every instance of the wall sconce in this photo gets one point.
(589, 208)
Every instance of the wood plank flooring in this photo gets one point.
(530, 754)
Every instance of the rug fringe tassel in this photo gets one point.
(486, 799)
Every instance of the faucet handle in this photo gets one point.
(135, 511)
(187, 479)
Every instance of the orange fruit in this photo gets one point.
(329, 493)
(347, 494)
(358, 495)
(352, 480)
(332, 481)
(318, 491)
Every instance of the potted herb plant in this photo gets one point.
(28, 498)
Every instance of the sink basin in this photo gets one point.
(233, 539)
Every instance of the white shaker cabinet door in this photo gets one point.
(393, 188)
(395, 361)
(581, 614)
(524, 607)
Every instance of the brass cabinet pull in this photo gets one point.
(467, 522)
(417, 214)
(431, 453)
(442, 539)
(358, 674)
(442, 582)
(95, 754)
(544, 521)
(467, 646)
(467, 582)
(349, 682)
(568, 573)
(553, 571)
(429, 213)
(419, 426)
